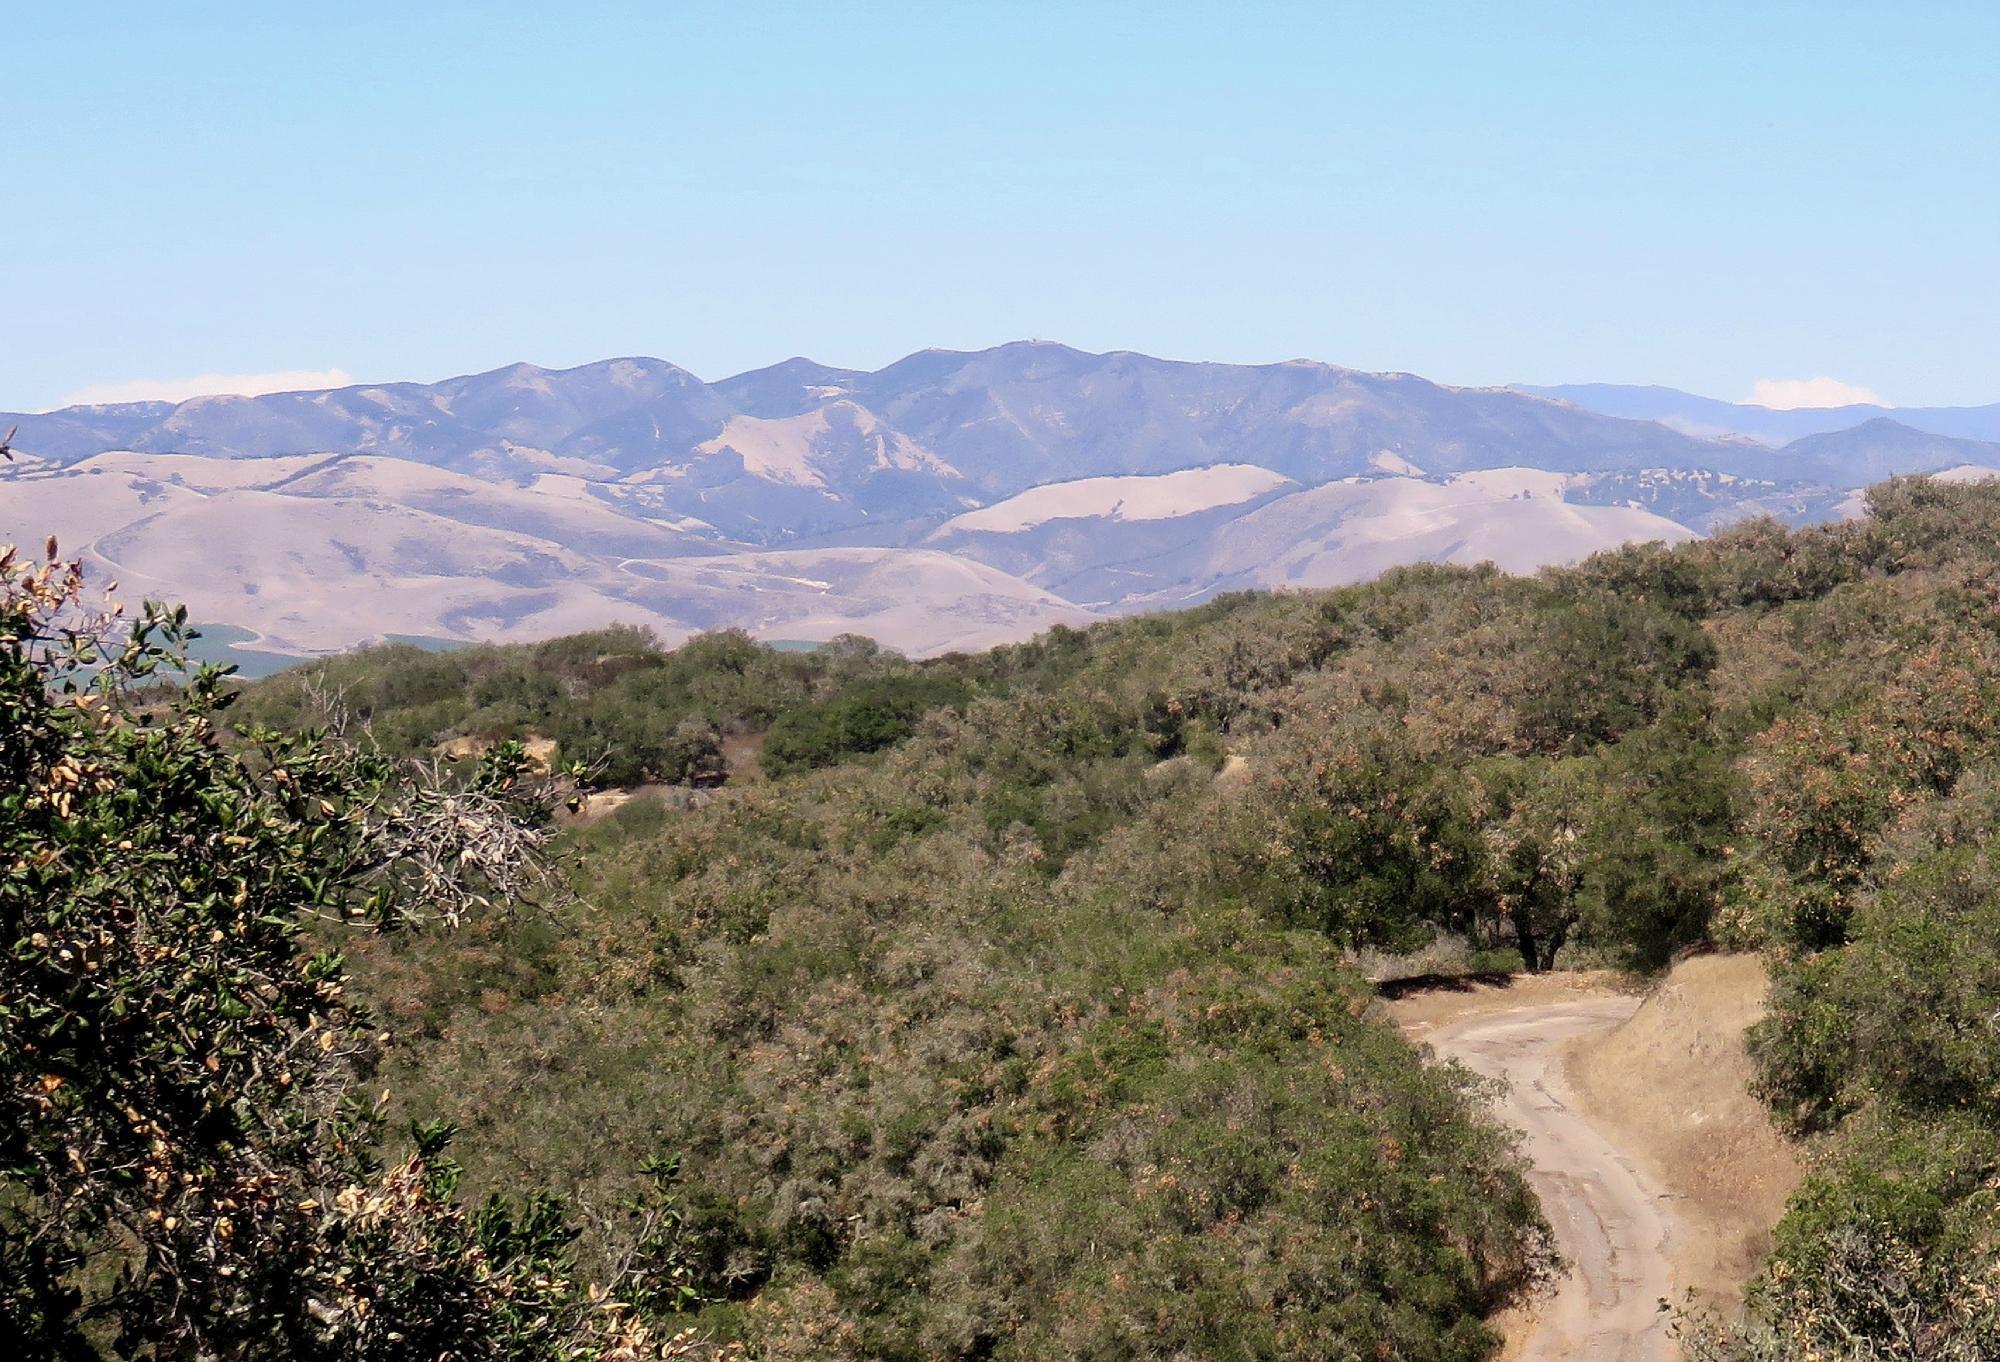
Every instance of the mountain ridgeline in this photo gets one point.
(1007, 1007)
(1705, 417)
(948, 501)
(989, 423)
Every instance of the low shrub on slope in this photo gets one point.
(942, 1089)
(1010, 1019)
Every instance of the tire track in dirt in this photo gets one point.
(1614, 1224)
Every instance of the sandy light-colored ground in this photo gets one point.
(1671, 1087)
(1614, 1224)
(1657, 1169)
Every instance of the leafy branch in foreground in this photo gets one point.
(187, 1165)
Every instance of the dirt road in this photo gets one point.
(1613, 1223)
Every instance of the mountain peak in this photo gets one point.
(1877, 430)
(516, 501)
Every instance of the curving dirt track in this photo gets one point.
(1613, 1223)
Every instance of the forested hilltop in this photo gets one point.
(1013, 1005)
(1005, 1014)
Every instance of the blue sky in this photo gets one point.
(1692, 194)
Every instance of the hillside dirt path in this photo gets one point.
(1614, 1224)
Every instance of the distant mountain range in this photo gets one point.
(950, 499)
(1708, 418)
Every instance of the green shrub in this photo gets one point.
(868, 717)
(188, 1167)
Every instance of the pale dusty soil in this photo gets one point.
(602, 803)
(1656, 1168)
(739, 757)
(1671, 1087)
(1615, 1225)
(1422, 1012)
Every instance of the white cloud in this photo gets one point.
(208, 385)
(1788, 394)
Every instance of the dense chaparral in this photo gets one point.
(1001, 1004)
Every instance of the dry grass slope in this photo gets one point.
(1671, 1085)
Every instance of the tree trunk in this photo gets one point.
(1554, 944)
(1524, 938)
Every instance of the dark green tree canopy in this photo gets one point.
(189, 1158)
